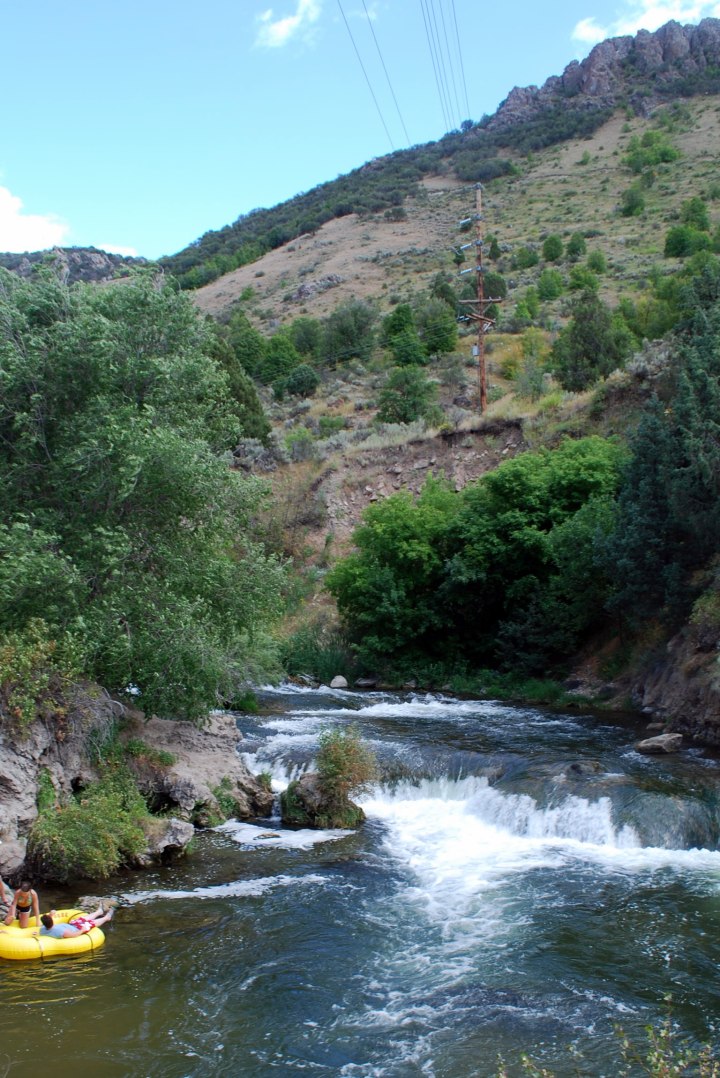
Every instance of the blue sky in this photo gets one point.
(138, 125)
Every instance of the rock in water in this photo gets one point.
(663, 743)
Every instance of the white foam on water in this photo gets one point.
(235, 889)
(422, 707)
(463, 840)
(248, 834)
(298, 725)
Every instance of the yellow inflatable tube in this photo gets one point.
(22, 943)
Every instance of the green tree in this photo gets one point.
(506, 549)
(302, 382)
(249, 345)
(306, 335)
(281, 357)
(632, 201)
(349, 333)
(387, 591)
(550, 284)
(406, 349)
(114, 422)
(682, 241)
(576, 247)
(400, 320)
(694, 213)
(525, 258)
(437, 327)
(406, 396)
(596, 261)
(668, 519)
(253, 421)
(594, 343)
(582, 279)
(552, 248)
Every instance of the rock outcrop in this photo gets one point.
(73, 263)
(641, 69)
(207, 767)
(207, 770)
(682, 688)
(306, 804)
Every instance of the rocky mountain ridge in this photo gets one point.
(73, 263)
(642, 69)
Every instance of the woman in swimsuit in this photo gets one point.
(25, 901)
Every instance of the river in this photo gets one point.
(525, 881)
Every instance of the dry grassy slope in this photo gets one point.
(378, 259)
(555, 192)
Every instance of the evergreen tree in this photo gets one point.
(593, 344)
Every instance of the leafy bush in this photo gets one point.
(694, 212)
(552, 248)
(138, 749)
(575, 247)
(406, 396)
(596, 262)
(550, 284)
(684, 240)
(318, 651)
(525, 258)
(93, 835)
(345, 766)
(650, 149)
(302, 382)
(34, 673)
(594, 343)
(632, 201)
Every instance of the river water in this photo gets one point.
(525, 881)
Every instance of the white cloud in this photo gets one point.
(27, 231)
(276, 32)
(588, 32)
(645, 15)
(116, 249)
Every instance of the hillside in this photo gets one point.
(573, 186)
(589, 539)
(638, 73)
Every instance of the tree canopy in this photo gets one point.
(125, 532)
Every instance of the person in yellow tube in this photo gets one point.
(77, 926)
(24, 902)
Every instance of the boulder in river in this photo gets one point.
(339, 682)
(662, 743)
(306, 804)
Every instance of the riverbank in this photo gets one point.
(189, 776)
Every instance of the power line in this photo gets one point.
(372, 92)
(372, 31)
(462, 66)
(428, 34)
(450, 63)
(440, 59)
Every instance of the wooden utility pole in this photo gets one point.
(480, 302)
